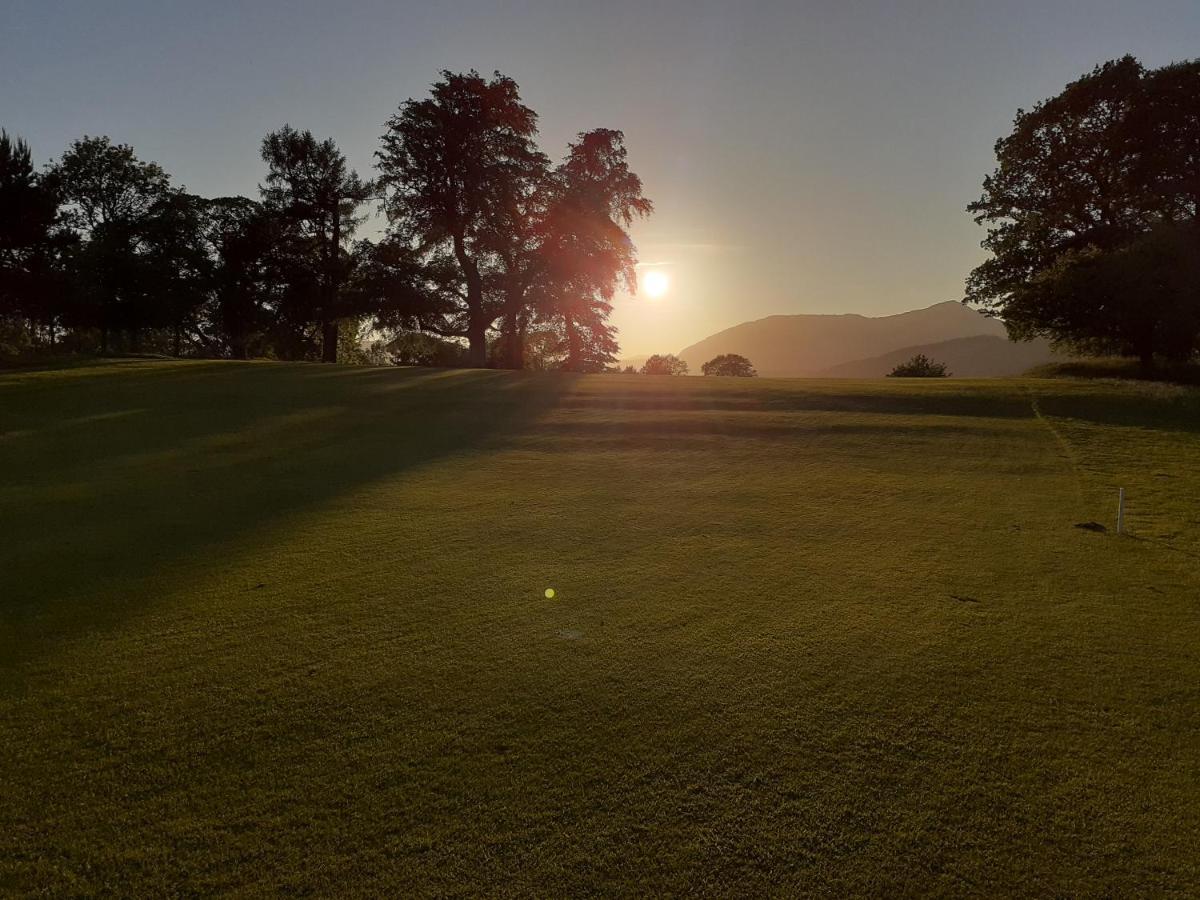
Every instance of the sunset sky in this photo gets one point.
(803, 157)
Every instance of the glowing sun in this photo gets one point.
(655, 284)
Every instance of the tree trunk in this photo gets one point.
(477, 322)
(574, 347)
(329, 327)
(104, 340)
(477, 340)
(329, 341)
(177, 341)
(514, 345)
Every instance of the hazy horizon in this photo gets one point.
(811, 158)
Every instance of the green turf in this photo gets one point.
(277, 627)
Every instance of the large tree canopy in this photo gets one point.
(116, 202)
(500, 235)
(1093, 215)
(457, 166)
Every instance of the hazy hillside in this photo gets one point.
(982, 356)
(811, 344)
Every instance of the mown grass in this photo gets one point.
(282, 628)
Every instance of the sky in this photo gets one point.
(803, 157)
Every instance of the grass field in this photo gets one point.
(276, 627)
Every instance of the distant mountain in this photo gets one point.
(982, 356)
(811, 345)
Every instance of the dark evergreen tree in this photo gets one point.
(312, 189)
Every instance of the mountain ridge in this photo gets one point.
(811, 344)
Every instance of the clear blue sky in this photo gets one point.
(804, 157)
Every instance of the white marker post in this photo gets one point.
(1120, 510)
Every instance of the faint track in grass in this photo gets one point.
(1063, 445)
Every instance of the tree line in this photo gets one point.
(492, 254)
(495, 255)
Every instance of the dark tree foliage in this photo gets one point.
(243, 237)
(1093, 215)
(417, 348)
(664, 364)
(31, 247)
(454, 166)
(177, 269)
(105, 183)
(920, 366)
(313, 191)
(115, 202)
(403, 289)
(729, 364)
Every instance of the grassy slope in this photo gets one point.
(275, 626)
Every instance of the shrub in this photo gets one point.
(920, 366)
(667, 364)
(729, 364)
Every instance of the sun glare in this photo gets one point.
(655, 284)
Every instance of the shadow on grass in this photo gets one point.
(1126, 405)
(804, 395)
(1118, 368)
(1133, 404)
(118, 477)
(679, 432)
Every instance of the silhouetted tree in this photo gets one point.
(587, 253)
(176, 268)
(1094, 215)
(110, 198)
(920, 366)
(30, 248)
(668, 364)
(311, 188)
(243, 236)
(454, 165)
(502, 236)
(729, 364)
